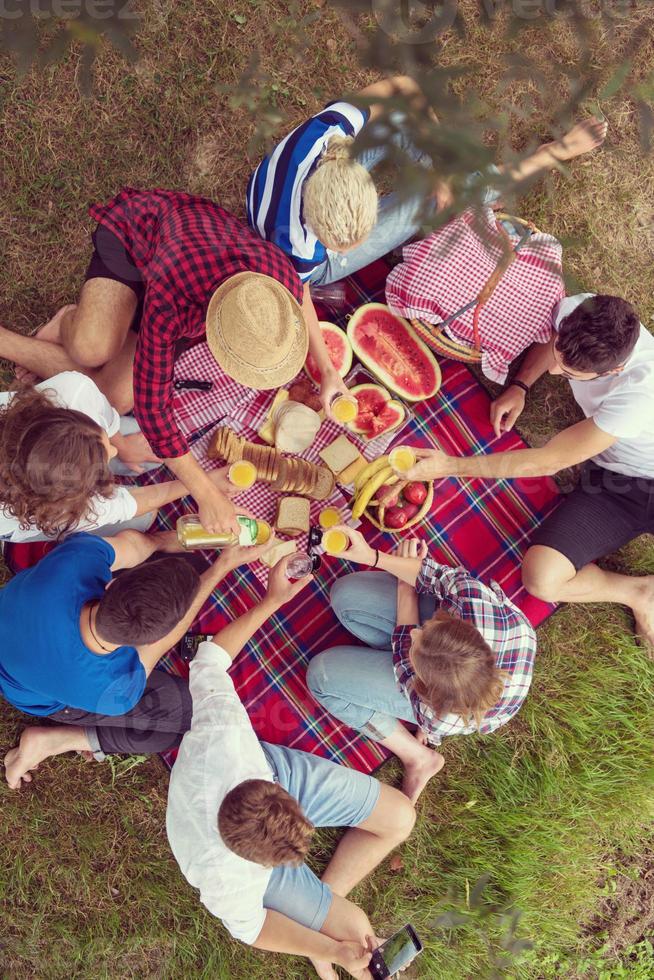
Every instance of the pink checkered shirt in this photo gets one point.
(506, 630)
(448, 269)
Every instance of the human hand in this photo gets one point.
(239, 554)
(504, 411)
(220, 479)
(134, 450)
(432, 464)
(280, 589)
(217, 512)
(442, 195)
(353, 957)
(359, 551)
(411, 548)
(331, 385)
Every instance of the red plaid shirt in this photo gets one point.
(506, 630)
(184, 247)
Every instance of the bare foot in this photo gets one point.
(52, 329)
(324, 970)
(644, 617)
(582, 138)
(35, 745)
(417, 775)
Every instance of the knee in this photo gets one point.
(342, 592)
(358, 924)
(317, 675)
(402, 818)
(537, 579)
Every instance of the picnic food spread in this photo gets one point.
(378, 413)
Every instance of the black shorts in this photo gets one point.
(111, 260)
(604, 512)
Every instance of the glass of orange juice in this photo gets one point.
(328, 517)
(334, 542)
(242, 474)
(402, 459)
(345, 408)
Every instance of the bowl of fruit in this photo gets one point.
(389, 503)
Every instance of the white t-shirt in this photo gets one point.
(621, 405)
(70, 389)
(219, 752)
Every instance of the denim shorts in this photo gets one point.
(330, 796)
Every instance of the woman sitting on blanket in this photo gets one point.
(58, 441)
(447, 653)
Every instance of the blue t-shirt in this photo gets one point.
(44, 665)
(274, 194)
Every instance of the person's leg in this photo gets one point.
(366, 603)
(116, 379)
(604, 512)
(358, 686)
(40, 358)
(549, 575)
(95, 331)
(38, 743)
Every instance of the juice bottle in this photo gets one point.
(191, 535)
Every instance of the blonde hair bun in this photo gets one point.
(340, 197)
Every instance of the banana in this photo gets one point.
(362, 499)
(368, 471)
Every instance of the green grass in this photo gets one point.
(550, 807)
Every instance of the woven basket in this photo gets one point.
(424, 510)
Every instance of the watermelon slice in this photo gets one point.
(378, 413)
(338, 348)
(390, 348)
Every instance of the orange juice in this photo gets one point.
(334, 542)
(242, 474)
(402, 458)
(328, 517)
(345, 408)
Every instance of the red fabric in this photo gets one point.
(448, 269)
(184, 247)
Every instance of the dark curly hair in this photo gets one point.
(52, 462)
(599, 335)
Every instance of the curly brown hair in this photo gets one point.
(52, 462)
(263, 823)
(455, 669)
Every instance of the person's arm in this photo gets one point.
(386, 88)
(582, 138)
(157, 495)
(282, 935)
(505, 410)
(280, 590)
(574, 445)
(404, 568)
(331, 382)
(131, 548)
(216, 511)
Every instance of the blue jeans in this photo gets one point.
(357, 684)
(330, 796)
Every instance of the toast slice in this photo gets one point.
(293, 516)
(339, 454)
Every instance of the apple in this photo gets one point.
(396, 517)
(415, 493)
(410, 509)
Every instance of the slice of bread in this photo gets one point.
(267, 430)
(277, 552)
(339, 454)
(350, 473)
(293, 516)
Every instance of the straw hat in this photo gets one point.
(256, 331)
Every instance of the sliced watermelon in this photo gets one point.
(390, 348)
(378, 413)
(338, 348)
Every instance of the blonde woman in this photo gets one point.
(320, 205)
(444, 652)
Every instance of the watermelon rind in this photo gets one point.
(388, 403)
(337, 332)
(377, 367)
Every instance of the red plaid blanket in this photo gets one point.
(484, 526)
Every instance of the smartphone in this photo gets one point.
(396, 953)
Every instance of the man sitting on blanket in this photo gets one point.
(164, 263)
(607, 355)
(241, 814)
(80, 648)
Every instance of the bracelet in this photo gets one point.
(519, 384)
(376, 558)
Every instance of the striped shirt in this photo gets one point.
(274, 194)
(505, 629)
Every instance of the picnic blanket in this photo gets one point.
(441, 275)
(485, 526)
